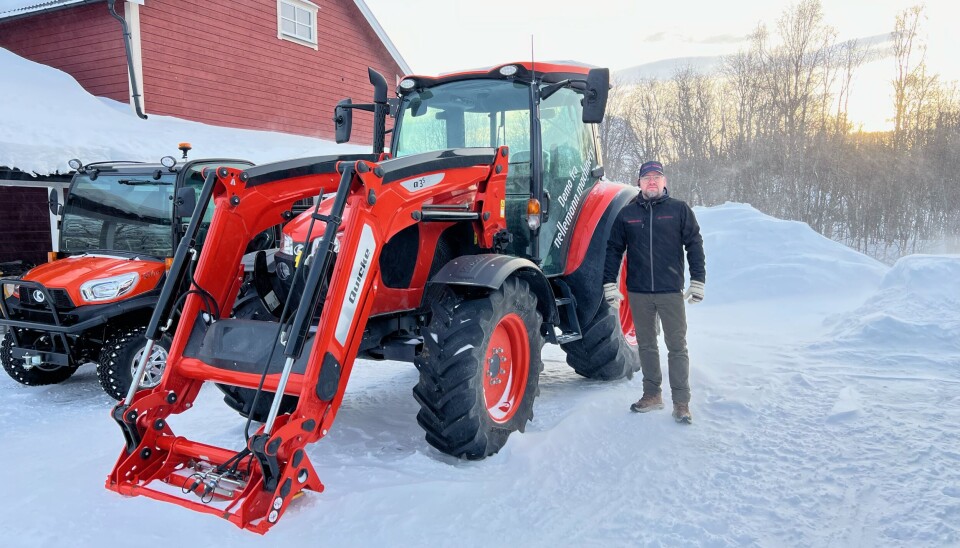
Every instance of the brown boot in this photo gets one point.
(681, 413)
(648, 402)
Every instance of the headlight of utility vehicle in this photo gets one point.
(108, 288)
(286, 244)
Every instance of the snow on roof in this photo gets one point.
(14, 8)
(48, 118)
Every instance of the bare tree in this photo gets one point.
(909, 55)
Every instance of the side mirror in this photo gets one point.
(595, 99)
(186, 202)
(343, 120)
(55, 206)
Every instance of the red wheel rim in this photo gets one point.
(626, 316)
(505, 368)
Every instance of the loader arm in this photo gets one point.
(253, 484)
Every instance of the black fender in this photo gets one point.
(585, 281)
(489, 271)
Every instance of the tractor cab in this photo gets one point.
(547, 114)
(544, 113)
(118, 228)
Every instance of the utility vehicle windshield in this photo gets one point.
(122, 212)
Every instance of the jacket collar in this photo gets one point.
(647, 203)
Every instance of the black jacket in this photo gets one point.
(654, 234)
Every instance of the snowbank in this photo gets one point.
(752, 256)
(48, 118)
(915, 310)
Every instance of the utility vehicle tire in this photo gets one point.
(38, 375)
(479, 369)
(121, 352)
(608, 349)
(250, 307)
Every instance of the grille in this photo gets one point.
(61, 299)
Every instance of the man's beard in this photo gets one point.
(651, 195)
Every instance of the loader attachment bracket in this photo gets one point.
(127, 419)
(260, 446)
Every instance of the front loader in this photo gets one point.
(479, 237)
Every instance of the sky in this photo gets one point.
(437, 36)
(824, 398)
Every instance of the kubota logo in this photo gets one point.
(359, 278)
(38, 296)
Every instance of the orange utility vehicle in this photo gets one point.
(119, 225)
(479, 237)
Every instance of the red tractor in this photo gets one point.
(479, 237)
(119, 225)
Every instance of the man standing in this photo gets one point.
(654, 229)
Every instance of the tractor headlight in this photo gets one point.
(9, 290)
(286, 244)
(108, 288)
(336, 243)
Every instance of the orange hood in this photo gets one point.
(72, 272)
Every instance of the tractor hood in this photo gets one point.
(295, 232)
(72, 273)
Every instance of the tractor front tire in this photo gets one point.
(120, 355)
(39, 375)
(608, 349)
(479, 369)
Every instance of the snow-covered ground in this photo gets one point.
(47, 119)
(826, 401)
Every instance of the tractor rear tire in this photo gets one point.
(120, 355)
(479, 369)
(39, 375)
(605, 352)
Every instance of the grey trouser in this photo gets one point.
(673, 318)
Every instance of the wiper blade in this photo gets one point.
(143, 182)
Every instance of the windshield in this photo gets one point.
(470, 113)
(121, 212)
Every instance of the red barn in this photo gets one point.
(278, 65)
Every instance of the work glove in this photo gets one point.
(612, 295)
(694, 293)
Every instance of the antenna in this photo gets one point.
(533, 66)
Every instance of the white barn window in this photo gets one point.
(297, 21)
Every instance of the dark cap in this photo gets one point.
(651, 166)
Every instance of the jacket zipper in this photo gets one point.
(652, 285)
